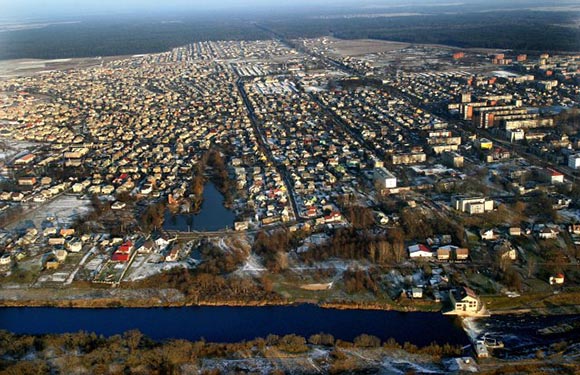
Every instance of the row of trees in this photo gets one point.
(350, 243)
(219, 176)
(358, 280)
(273, 248)
(200, 285)
(132, 352)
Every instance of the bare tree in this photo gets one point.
(531, 266)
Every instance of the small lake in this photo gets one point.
(211, 217)
(233, 324)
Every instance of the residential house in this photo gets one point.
(417, 292)
(515, 231)
(557, 279)
(506, 250)
(553, 176)
(5, 259)
(419, 251)
(547, 233)
(472, 206)
(74, 246)
(56, 241)
(489, 234)
(444, 253)
(241, 225)
(51, 263)
(123, 253)
(465, 302)
(60, 255)
(574, 228)
(173, 254)
(147, 247)
(461, 253)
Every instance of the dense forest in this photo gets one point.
(111, 37)
(521, 30)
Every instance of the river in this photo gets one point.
(212, 216)
(522, 335)
(233, 324)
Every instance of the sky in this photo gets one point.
(21, 9)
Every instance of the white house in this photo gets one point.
(558, 279)
(465, 302)
(488, 234)
(118, 205)
(74, 246)
(472, 205)
(419, 251)
(553, 176)
(417, 292)
(60, 255)
(384, 178)
(574, 161)
(547, 233)
(5, 259)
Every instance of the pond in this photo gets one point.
(213, 216)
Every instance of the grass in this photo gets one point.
(291, 290)
(549, 300)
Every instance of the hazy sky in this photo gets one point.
(19, 7)
(38, 8)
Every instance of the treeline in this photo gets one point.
(206, 287)
(210, 283)
(419, 225)
(521, 30)
(122, 36)
(350, 243)
(357, 280)
(569, 121)
(219, 176)
(273, 248)
(133, 352)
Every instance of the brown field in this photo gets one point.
(359, 47)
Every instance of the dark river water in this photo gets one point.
(212, 216)
(522, 335)
(232, 324)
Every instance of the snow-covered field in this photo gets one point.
(252, 266)
(147, 265)
(10, 148)
(59, 277)
(572, 215)
(65, 208)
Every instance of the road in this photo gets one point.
(267, 151)
(340, 123)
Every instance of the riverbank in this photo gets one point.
(170, 297)
(111, 298)
(545, 303)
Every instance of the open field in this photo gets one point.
(65, 209)
(359, 47)
(31, 67)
